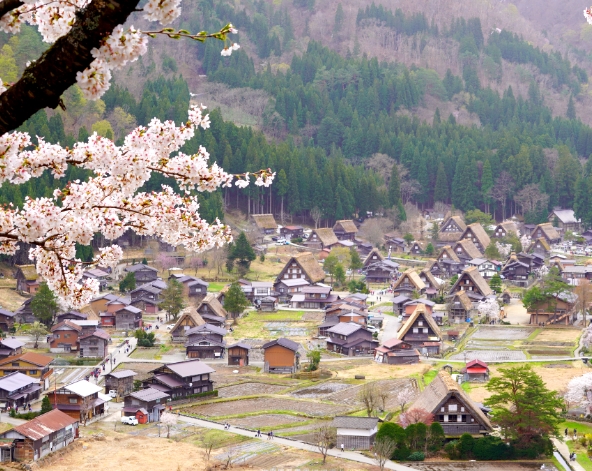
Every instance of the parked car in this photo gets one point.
(373, 329)
(129, 420)
(274, 239)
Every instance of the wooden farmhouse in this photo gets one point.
(516, 270)
(121, 381)
(471, 281)
(351, 339)
(292, 232)
(210, 306)
(421, 332)
(38, 437)
(71, 316)
(566, 220)
(395, 244)
(345, 230)
(6, 320)
(540, 246)
(322, 239)
(381, 272)
(373, 257)
(429, 280)
(396, 352)
(546, 231)
(265, 223)
(27, 279)
(286, 288)
(452, 408)
(281, 356)
(128, 318)
(96, 274)
(205, 341)
(418, 247)
(194, 287)
(64, 338)
(313, 297)
(142, 273)
(476, 234)
(34, 365)
(94, 344)
(80, 400)
(408, 284)
(146, 405)
(452, 230)
(558, 309)
(238, 354)
(447, 264)
(466, 250)
(182, 379)
(476, 370)
(487, 268)
(355, 433)
(504, 229)
(188, 319)
(10, 347)
(147, 296)
(18, 389)
(302, 266)
(460, 309)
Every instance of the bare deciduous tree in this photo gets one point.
(384, 448)
(324, 439)
(208, 444)
(404, 397)
(316, 214)
(374, 229)
(584, 293)
(369, 395)
(530, 198)
(501, 189)
(409, 188)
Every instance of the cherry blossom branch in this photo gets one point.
(6, 6)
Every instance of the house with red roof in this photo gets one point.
(476, 370)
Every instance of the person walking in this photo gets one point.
(575, 434)
(269, 435)
(342, 447)
(566, 432)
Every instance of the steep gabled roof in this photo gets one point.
(468, 247)
(548, 229)
(479, 233)
(542, 241)
(29, 272)
(414, 279)
(347, 225)
(508, 226)
(566, 216)
(463, 299)
(458, 220)
(420, 310)
(326, 236)
(311, 268)
(430, 277)
(439, 390)
(369, 258)
(450, 254)
(139, 266)
(264, 221)
(212, 301)
(190, 312)
(476, 278)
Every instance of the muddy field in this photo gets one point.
(265, 420)
(219, 409)
(249, 389)
(502, 333)
(321, 391)
(557, 335)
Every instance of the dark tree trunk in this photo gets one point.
(46, 79)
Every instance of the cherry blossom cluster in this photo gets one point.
(489, 308)
(109, 202)
(588, 15)
(579, 391)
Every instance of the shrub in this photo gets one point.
(533, 448)
(436, 437)
(397, 434)
(491, 448)
(416, 456)
(451, 450)
(466, 445)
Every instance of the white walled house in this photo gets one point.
(355, 432)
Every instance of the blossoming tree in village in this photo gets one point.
(89, 40)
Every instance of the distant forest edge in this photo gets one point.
(335, 117)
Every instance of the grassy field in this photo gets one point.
(581, 450)
(254, 324)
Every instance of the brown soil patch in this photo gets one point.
(557, 335)
(265, 420)
(126, 453)
(11, 300)
(372, 370)
(249, 389)
(265, 404)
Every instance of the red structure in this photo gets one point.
(476, 370)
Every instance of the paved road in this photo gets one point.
(348, 455)
(390, 328)
(564, 452)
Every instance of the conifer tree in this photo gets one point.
(486, 184)
(441, 188)
(339, 19)
(571, 109)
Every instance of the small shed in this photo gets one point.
(268, 304)
(476, 370)
(356, 433)
(238, 354)
(506, 297)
